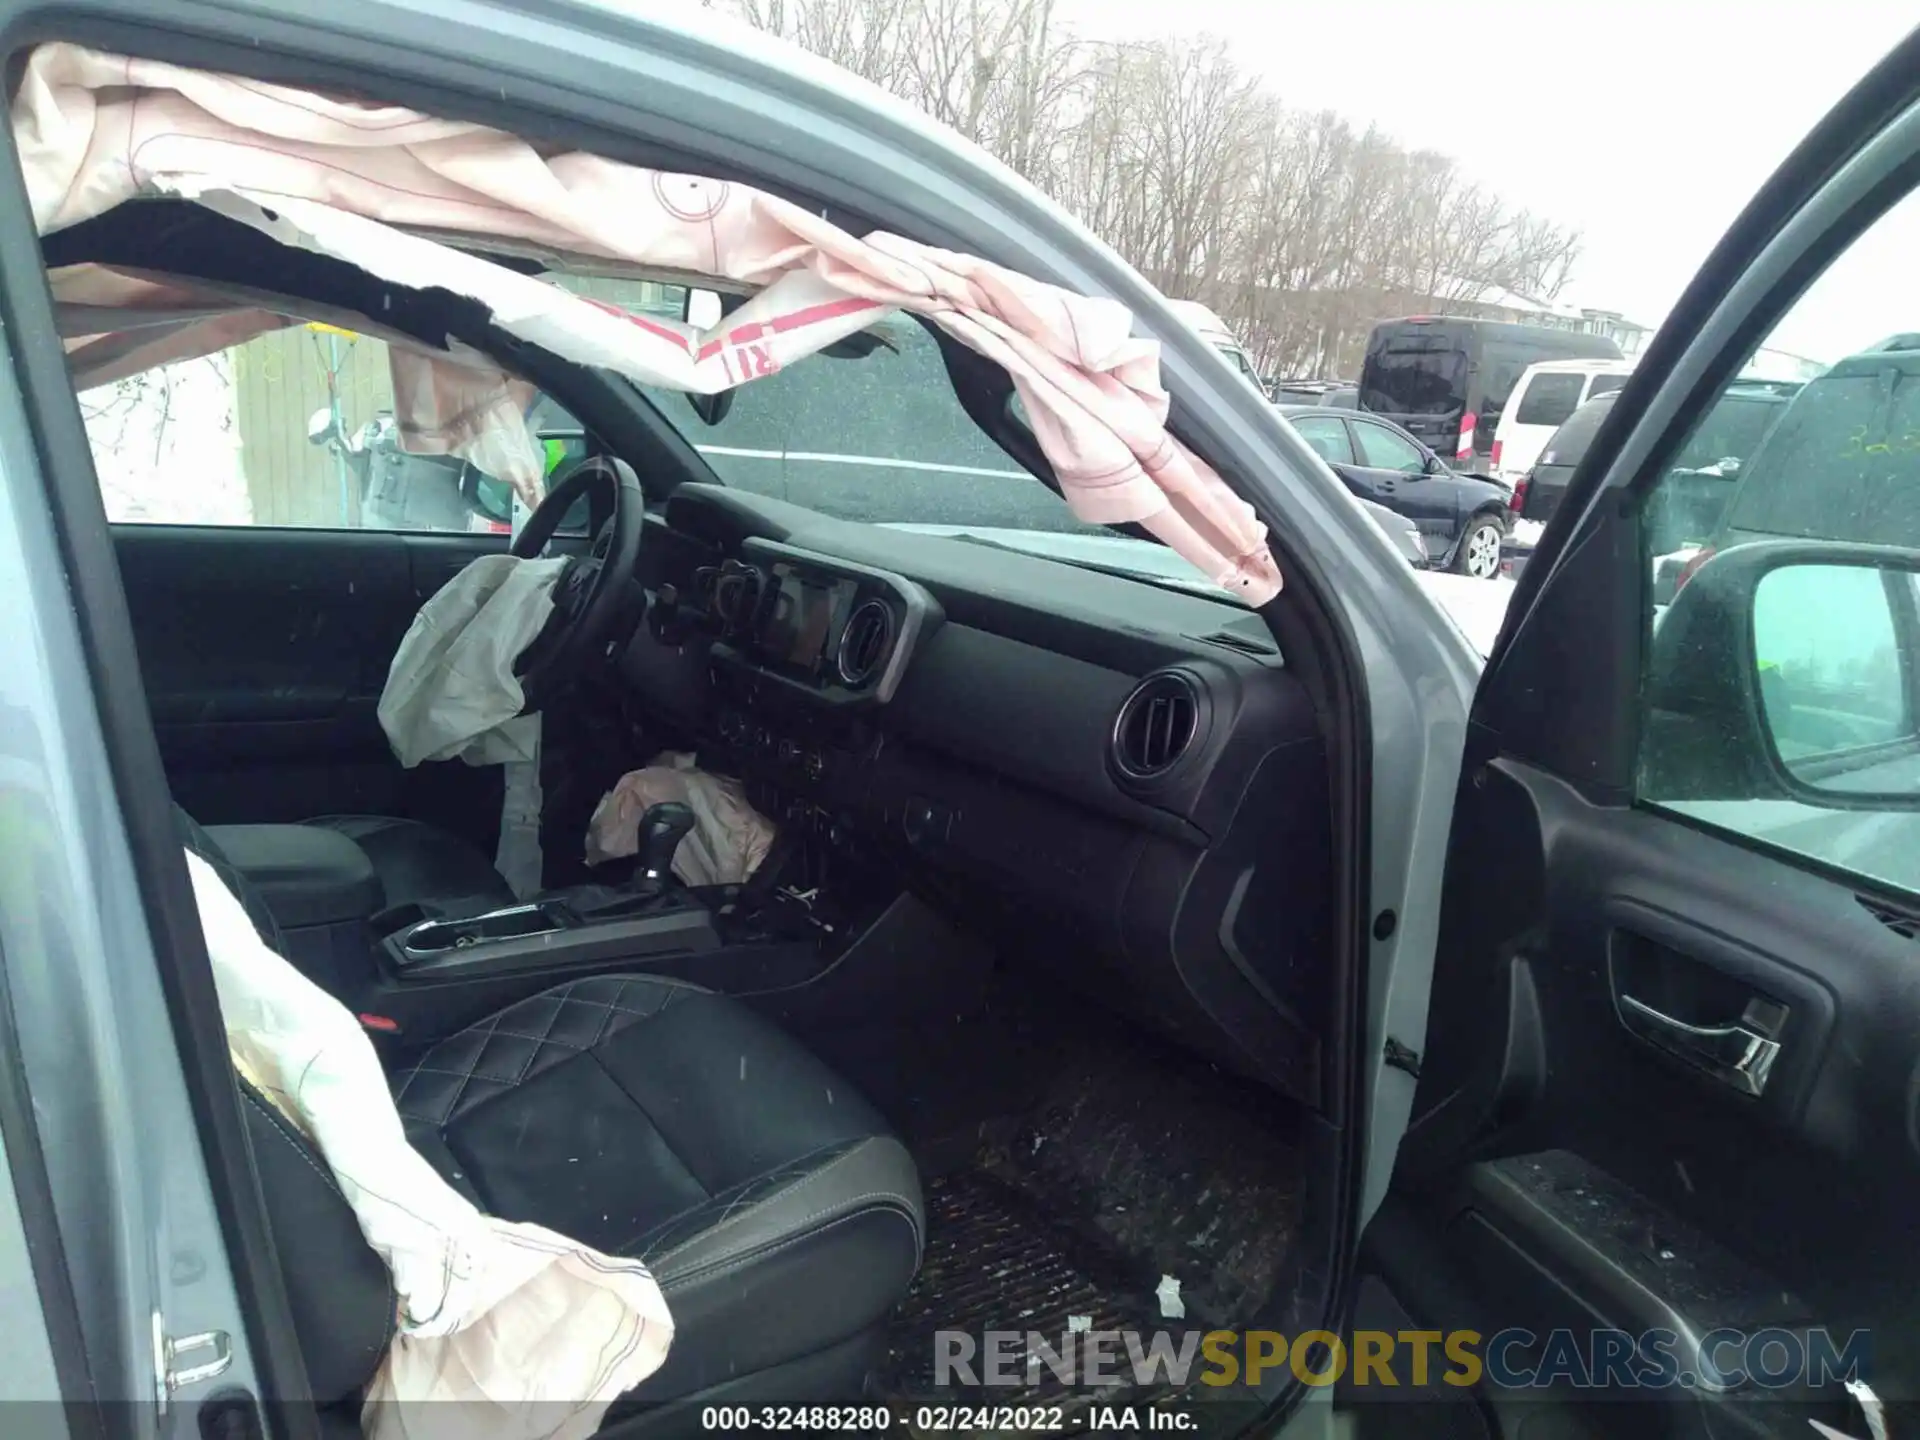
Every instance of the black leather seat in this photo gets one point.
(646, 1117)
(419, 865)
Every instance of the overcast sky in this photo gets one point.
(1645, 125)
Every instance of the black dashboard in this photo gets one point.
(1121, 782)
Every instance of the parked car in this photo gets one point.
(1516, 1048)
(1545, 396)
(1462, 518)
(1339, 394)
(1841, 463)
(1217, 333)
(1405, 533)
(1697, 488)
(1447, 379)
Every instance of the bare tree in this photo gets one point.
(1299, 229)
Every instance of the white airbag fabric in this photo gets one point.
(729, 838)
(534, 1333)
(451, 693)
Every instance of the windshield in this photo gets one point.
(878, 437)
(1237, 358)
(1414, 378)
(1843, 463)
(871, 431)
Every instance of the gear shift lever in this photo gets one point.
(662, 828)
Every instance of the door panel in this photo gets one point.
(1433, 504)
(264, 651)
(1695, 926)
(1671, 1076)
(1392, 465)
(1587, 1177)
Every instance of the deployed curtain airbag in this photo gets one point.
(337, 177)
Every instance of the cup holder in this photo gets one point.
(437, 937)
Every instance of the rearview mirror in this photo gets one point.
(702, 308)
(1789, 670)
(705, 309)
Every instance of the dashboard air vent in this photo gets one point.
(1155, 726)
(865, 643)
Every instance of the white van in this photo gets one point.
(1543, 397)
(1214, 331)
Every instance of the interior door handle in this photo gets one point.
(1740, 1054)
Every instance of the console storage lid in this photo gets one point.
(306, 875)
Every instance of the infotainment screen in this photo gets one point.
(799, 619)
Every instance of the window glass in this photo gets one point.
(1502, 363)
(1549, 399)
(1381, 449)
(1830, 650)
(1415, 379)
(1237, 358)
(1569, 444)
(292, 428)
(870, 430)
(1844, 461)
(1604, 385)
(1327, 435)
(1733, 429)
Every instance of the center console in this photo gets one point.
(552, 936)
(650, 915)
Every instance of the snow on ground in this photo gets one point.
(1476, 606)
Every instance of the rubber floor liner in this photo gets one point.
(1130, 1164)
(994, 1262)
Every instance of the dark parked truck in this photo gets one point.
(1701, 477)
(1445, 379)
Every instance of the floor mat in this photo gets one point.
(1186, 1171)
(994, 1262)
(1134, 1165)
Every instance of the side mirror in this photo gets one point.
(487, 497)
(1790, 670)
(320, 427)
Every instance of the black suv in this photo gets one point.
(1844, 461)
(1705, 469)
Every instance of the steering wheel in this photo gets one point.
(597, 600)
